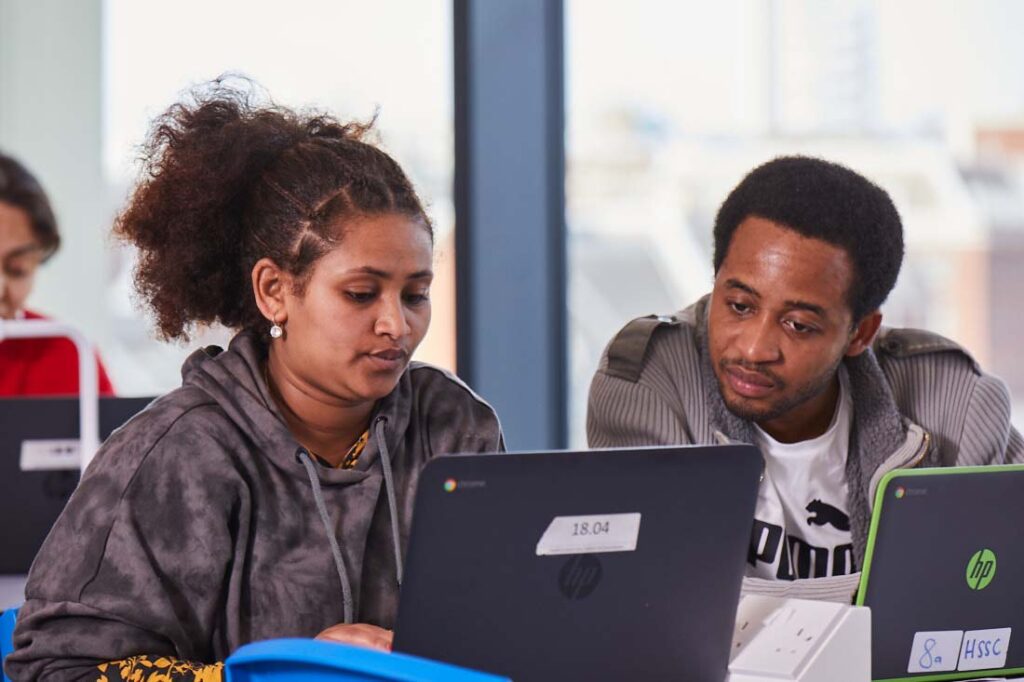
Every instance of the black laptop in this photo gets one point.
(39, 467)
(596, 565)
(944, 574)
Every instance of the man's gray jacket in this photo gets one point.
(918, 400)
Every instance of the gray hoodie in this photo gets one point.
(197, 527)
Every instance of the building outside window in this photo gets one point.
(670, 104)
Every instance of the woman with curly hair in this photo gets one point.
(270, 495)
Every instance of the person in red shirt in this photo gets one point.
(28, 237)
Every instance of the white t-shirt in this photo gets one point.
(801, 527)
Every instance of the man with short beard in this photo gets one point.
(788, 353)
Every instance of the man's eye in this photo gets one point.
(360, 296)
(741, 308)
(800, 328)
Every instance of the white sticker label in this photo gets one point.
(984, 649)
(48, 455)
(935, 651)
(590, 534)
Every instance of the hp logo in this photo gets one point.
(981, 569)
(579, 576)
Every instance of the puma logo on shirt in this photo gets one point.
(822, 513)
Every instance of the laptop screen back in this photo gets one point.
(609, 564)
(942, 573)
(36, 496)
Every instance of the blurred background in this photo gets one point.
(670, 103)
(662, 106)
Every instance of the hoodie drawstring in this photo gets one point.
(318, 497)
(389, 488)
(339, 562)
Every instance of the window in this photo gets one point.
(670, 104)
(353, 59)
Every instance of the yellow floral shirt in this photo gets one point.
(352, 456)
(162, 669)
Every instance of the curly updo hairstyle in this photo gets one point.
(19, 188)
(226, 182)
(826, 201)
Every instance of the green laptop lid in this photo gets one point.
(943, 574)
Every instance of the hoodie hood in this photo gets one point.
(234, 379)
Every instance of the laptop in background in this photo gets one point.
(32, 491)
(944, 574)
(594, 565)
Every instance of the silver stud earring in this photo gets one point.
(276, 332)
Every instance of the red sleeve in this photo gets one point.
(46, 366)
(106, 388)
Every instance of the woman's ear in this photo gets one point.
(270, 284)
(864, 334)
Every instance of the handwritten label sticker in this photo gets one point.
(935, 651)
(50, 454)
(984, 649)
(590, 534)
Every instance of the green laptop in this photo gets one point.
(944, 574)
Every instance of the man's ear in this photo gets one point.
(864, 334)
(269, 285)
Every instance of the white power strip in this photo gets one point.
(798, 639)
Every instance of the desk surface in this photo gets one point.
(12, 593)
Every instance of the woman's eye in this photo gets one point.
(416, 299)
(360, 296)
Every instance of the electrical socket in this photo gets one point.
(798, 639)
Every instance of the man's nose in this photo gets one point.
(758, 343)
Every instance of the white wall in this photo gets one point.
(50, 118)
